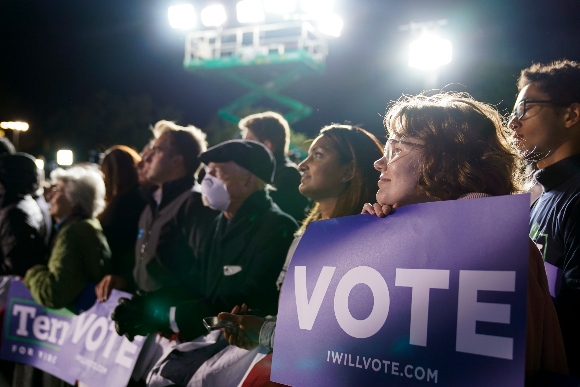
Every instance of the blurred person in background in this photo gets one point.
(79, 258)
(22, 225)
(124, 204)
(40, 196)
(272, 130)
(147, 187)
(174, 221)
(80, 254)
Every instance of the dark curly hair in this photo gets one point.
(559, 79)
(467, 148)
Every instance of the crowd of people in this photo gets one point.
(193, 232)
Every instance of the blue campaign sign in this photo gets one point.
(432, 294)
(93, 351)
(82, 347)
(34, 334)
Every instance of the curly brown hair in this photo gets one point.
(467, 147)
(559, 79)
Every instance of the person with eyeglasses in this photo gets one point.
(546, 128)
(450, 146)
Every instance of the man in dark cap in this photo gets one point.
(244, 253)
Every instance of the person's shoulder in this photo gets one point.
(276, 216)
(19, 216)
(83, 226)
(572, 184)
(286, 172)
(27, 205)
(133, 197)
(193, 204)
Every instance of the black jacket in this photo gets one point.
(22, 226)
(287, 196)
(170, 236)
(120, 226)
(240, 264)
(555, 228)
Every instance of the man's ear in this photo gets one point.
(177, 160)
(250, 181)
(573, 115)
(268, 144)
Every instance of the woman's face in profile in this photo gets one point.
(323, 175)
(60, 205)
(399, 169)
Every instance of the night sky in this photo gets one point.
(58, 55)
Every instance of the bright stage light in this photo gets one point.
(181, 16)
(281, 7)
(317, 8)
(429, 52)
(14, 125)
(64, 157)
(250, 11)
(213, 15)
(330, 24)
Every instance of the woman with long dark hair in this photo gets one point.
(120, 217)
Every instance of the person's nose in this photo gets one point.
(513, 122)
(380, 164)
(303, 166)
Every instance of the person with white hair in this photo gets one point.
(80, 255)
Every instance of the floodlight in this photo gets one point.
(14, 125)
(281, 7)
(250, 11)
(317, 7)
(39, 163)
(181, 16)
(330, 24)
(213, 15)
(429, 52)
(64, 157)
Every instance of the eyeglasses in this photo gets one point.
(56, 189)
(399, 148)
(522, 107)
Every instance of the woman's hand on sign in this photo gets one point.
(380, 210)
(246, 332)
(108, 283)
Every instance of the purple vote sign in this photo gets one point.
(432, 294)
(82, 347)
(34, 334)
(93, 351)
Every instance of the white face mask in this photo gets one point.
(214, 193)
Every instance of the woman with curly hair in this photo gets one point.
(450, 146)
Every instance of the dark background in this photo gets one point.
(88, 74)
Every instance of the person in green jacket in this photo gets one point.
(80, 254)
